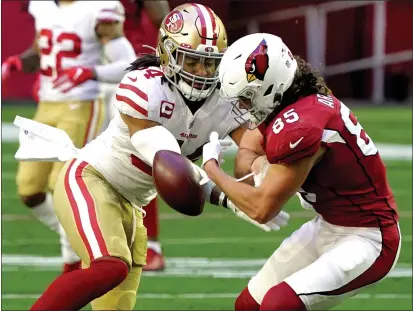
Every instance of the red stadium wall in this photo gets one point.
(355, 27)
(17, 34)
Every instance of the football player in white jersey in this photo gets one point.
(71, 38)
(168, 101)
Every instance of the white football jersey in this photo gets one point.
(143, 94)
(67, 38)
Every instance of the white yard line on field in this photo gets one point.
(184, 267)
(176, 216)
(270, 239)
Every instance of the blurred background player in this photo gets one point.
(71, 37)
(142, 23)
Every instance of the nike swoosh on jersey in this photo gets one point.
(133, 79)
(293, 145)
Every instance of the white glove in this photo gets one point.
(279, 221)
(214, 149)
(204, 176)
(274, 224)
(258, 178)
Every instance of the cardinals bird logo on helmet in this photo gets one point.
(257, 63)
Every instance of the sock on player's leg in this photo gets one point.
(245, 302)
(46, 214)
(151, 220)
(282, 297)
(154, 257)
(73, 291)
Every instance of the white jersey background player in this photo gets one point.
(72, 38)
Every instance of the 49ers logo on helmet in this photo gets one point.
(174, 22)
(257, 63)
(186, 45)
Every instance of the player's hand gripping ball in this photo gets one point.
(177, 182)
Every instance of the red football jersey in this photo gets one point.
(139, 29)
(348, 186)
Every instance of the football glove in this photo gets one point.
(214, 149)
(275, 224)
(69, 78)
(12, 63)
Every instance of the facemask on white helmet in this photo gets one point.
(257, 69)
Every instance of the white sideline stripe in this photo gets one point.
(212, 296)
(187, 267)
(275, 239)
(10, 133)
(223, 216)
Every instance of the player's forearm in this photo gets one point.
(30, 60)
(111, 73)
(120, 53)
(243, 162)
(247, 198)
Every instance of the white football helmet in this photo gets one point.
(259, 67)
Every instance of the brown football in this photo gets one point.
(177, 182)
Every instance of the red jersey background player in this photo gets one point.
(307, 142)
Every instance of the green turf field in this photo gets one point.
(210, 258)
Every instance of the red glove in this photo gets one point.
(69, 78)
(12, 63)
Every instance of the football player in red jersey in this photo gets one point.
(305, 142)
(142, 23)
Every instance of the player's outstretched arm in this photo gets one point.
(28, 61)
(249, 155)
(117, 50)
(261, 203)
(148, 137)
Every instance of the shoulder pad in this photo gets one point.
(133, 93)
(292, 136)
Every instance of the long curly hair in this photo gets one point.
(143, 61)
(307, 81)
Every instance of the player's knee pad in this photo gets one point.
(246, 302)
(282, 297)
(122, 297)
